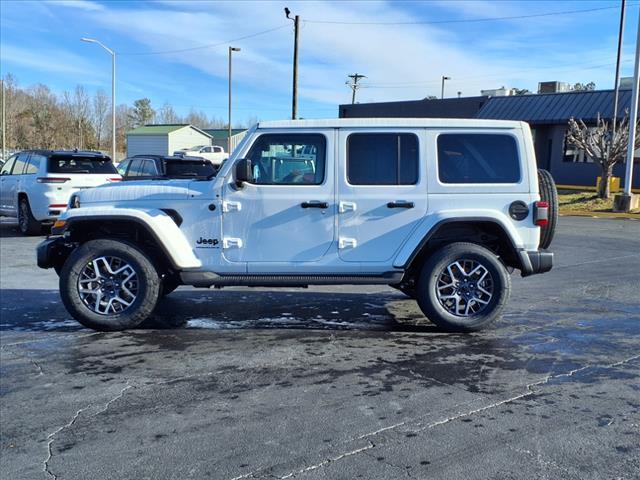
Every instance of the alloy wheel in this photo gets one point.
(465, 287)
(108, 285)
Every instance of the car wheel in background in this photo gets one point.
(27, 224)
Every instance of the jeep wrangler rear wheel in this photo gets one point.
(463, 287)
(109, 285)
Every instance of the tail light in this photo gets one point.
(52, 179)
(58, 205)
(541, 215)
(114, 179)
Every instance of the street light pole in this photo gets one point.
(113, 93)
(296, 27)
(231, 50)
(442, 90)
(617, 78)
(633, 120)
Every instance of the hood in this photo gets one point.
(138, 190)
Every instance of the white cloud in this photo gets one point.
(53, 60)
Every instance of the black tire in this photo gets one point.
(549, 194)
(27, 224)
(148, 285)
(433, 307)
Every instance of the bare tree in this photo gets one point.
(100, 115)
(167, 114)
(198, 119)
(603, 147)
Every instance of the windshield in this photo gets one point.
(81, 164)
(182, 169)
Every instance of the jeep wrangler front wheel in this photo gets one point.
(109, 285)
(463, 287)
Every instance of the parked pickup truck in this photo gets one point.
(213, 153)
(440, 209)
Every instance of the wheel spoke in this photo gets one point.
(108, 285)
(464, 287)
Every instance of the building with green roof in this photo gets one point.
(164, 139)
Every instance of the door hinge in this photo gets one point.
(229, 242)
(344, 242)
(347, 207)
(228, 206)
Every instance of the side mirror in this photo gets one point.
(244, 171)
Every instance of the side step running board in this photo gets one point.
(209, 279)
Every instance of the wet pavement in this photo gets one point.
(336, 382)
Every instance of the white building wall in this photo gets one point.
(185, 138)
(146, 145)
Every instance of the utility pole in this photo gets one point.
(617, 78)
(442, 90)
(4, 124)
(354, 85)
(231, 50)
(296, 26)
(626, 201)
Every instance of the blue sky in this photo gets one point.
(40, 43)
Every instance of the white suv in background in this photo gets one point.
(35, 185)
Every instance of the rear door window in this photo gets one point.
(382, 159)
(68, 164)
(478, 158)
(149, 169)
(21, 163)
(34, 163)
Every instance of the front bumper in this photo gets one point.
(535, 261)
(52, 252)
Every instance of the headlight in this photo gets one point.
(74, 201)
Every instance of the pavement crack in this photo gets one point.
(329, 460)
(51, 438)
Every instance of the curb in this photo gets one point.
(610, 215)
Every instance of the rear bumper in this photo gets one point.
(535, 261)
(53, 252)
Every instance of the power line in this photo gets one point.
(201, 47)
(468, 20)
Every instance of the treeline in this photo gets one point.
(38, 118)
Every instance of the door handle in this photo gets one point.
(400, 204)
(314, 204)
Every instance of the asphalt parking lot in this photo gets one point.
(343, 382)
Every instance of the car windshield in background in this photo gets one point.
(184, 169)
(80, 164)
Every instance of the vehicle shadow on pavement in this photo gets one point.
(42, 310)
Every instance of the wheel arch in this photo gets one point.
(159, 238)
(484, 231)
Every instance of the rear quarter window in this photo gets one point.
(79, 164)
(478, 158)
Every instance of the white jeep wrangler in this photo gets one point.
(443, 210)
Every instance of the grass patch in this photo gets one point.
(571, 201)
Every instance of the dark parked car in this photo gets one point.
(141, 167)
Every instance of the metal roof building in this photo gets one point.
(164, 139)
(546, 113)
(555, 108)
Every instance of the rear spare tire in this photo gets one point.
(549, 194)
(109, 285)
